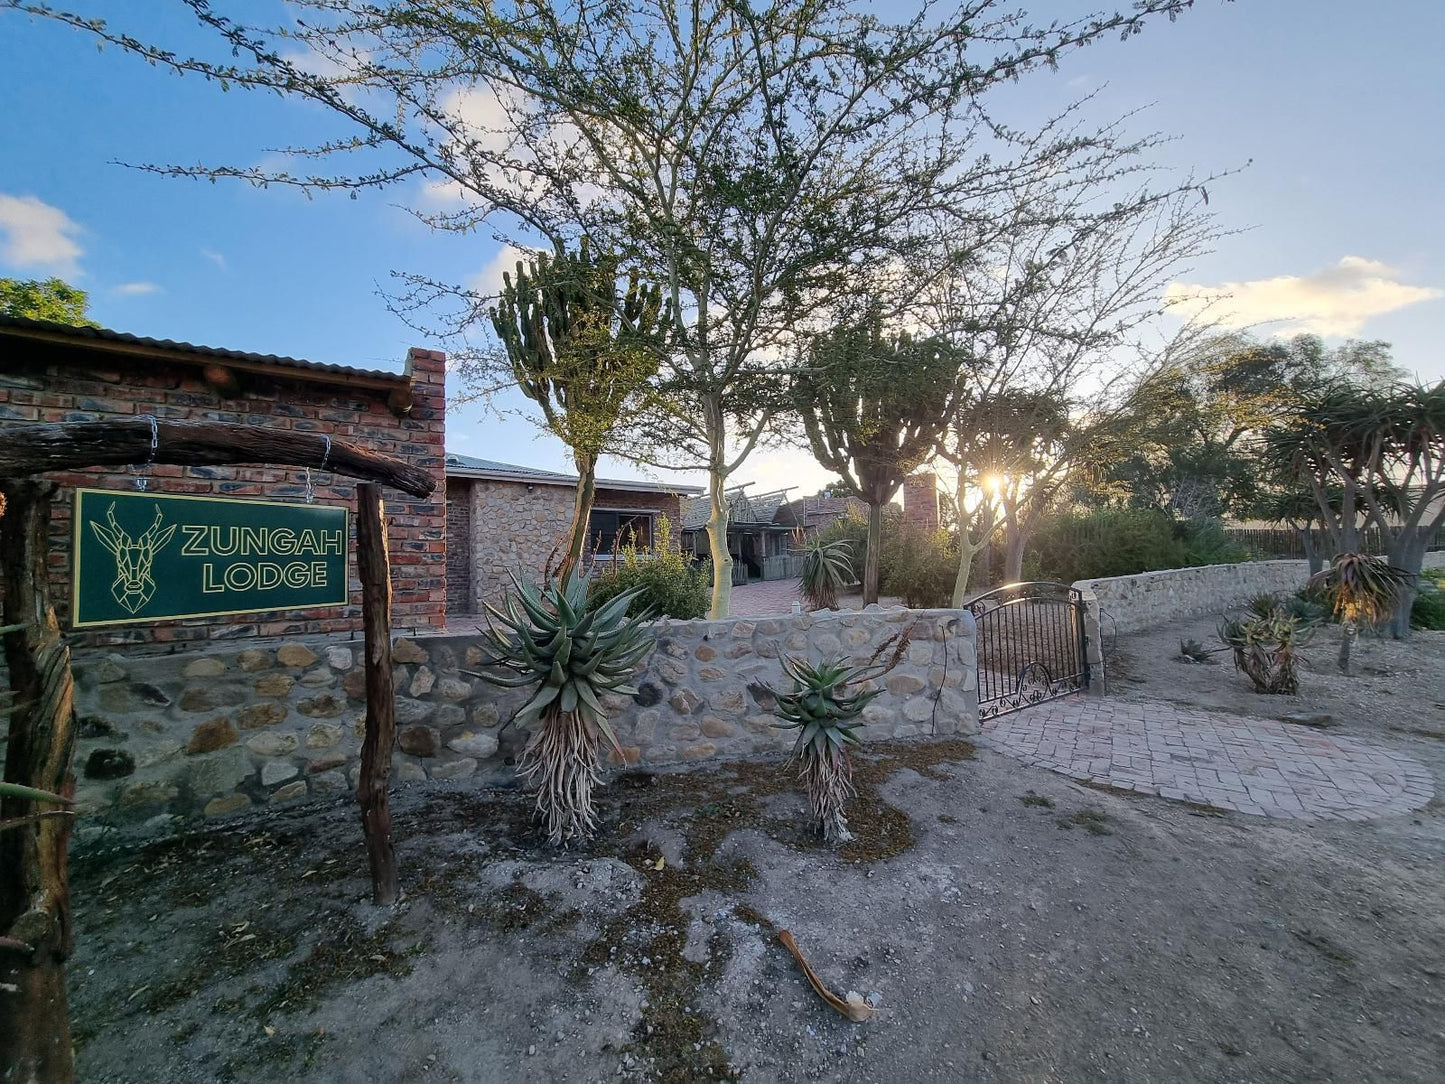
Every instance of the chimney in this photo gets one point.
(920, 501)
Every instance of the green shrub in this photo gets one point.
(1103, 542)
(918, 566)
(666, 581)
(1428, 612)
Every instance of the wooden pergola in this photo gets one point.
(36, 934)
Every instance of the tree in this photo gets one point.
(53, 300)
(1383, 452)
(581, 351)
(1195, 452)
(874, 407)
(755, 156)
(1360, 589)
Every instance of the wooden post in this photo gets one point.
(35, 921)
(374, 568)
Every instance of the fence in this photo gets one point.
(783, 566)
(1279, 543)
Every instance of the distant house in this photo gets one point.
(765, 529)
(760, 529)
(503, 518)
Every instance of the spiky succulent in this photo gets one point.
(1266, 643)
(572, 650)
(826, 716)
(827, 566)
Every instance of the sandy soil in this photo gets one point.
(1013, 925)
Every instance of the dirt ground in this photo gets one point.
(1012, 926)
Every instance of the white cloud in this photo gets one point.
(1336, 300)
(35, 234)
(215, 257)
(136, 289)
(488, 281)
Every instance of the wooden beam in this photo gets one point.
(35, 921)
(374, 568)
(34, 449)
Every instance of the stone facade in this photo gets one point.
(217, 731)
(518, 526)
(87, 384)
(1131, 603)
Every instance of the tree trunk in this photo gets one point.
(1348, 633)
(870, 559)
(35, 919)
(1406, 551)
(717, 542)
(966, 552)
(1312, 553)
(1013, 561)
(374, 569)
(581, 510)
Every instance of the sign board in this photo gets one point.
(153, 556)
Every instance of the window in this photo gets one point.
(607, 532)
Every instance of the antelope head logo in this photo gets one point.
(133, 586)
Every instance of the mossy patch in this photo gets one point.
(1093, 821)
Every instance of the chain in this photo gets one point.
(142, 479)
(325, 457)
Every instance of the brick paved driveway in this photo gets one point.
(1231, 761)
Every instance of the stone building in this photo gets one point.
(54, 373)
(505, 518)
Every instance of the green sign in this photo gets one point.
(151, 556)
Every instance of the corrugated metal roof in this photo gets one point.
(470, 464)
(80, 334)
(744, 510)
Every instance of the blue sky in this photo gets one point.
(1339, 106)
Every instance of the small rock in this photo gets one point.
(198, 699)
(295, 655)
(456, 769)
(256, 716)
(289, 792)
(274, 685)
(1317, 719)
(339, 658)
(419, 741)
(278, 771)
(218, 807)
(323, 736)
(109, 764)
(109, 670)
(204, 667)
(252, 660)
(273, 745)
(409, 772)
(468, 744)
(407, 651)
(325, 706)
(422, 683)
(208, 737)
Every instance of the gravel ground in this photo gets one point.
(1012, 926)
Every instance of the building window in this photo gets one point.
(608, 532)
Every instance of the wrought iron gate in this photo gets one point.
(1030, 646)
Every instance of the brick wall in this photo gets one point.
(920, 501)
(515, 527)
(86, 386)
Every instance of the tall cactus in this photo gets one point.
(583, 351)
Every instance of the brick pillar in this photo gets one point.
(920, 501)
(420, 568)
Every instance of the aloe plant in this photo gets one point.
(827, 566)
(827, 717)
(1266, 643)
(1361, 589)
(571, 649)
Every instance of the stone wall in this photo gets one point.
(217, 731)
(1131, 603)
(86, 387)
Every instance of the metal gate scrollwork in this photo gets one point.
(1031, 646)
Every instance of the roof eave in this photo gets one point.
(560, 480)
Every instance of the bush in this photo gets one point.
(918, 566)
(1428, 613)
(1104, 542)
(668, 583)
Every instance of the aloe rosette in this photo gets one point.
(572, 650)
(827, 717)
